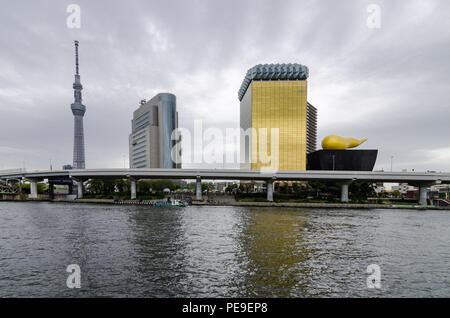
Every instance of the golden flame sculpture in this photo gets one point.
(334, 142)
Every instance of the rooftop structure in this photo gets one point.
(273, 72)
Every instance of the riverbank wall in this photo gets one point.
(244, 204)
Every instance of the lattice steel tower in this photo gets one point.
(78, 110)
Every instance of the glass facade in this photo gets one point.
(279, 105)
(169, 111)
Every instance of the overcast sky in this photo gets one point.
(390, 85)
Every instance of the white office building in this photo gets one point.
(153, 142)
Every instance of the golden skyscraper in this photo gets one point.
(278, 124)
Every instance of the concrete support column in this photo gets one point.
(80, 189)
(198, 189)
(133, 189)
(33, 190)
(344, 191)
(423, 191)
(51, 191)
(270, 190)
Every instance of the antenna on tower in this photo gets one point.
(76, 57)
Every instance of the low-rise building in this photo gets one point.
(403, 188)
(379, 187)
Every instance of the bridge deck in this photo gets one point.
(234, 174)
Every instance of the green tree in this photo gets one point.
(107, 186)
(248, 187)
(208, 186)
(396, 194)
(94, 186)
(156, 185)
(324, 190)
(123, 185)
(231, 187)
(40, 188)
(361, 190)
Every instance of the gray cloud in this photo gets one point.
(389, 84)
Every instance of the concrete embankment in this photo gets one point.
(253, 204)
(324, 205)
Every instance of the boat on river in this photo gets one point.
(172, 203)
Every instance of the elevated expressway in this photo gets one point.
(423, 180)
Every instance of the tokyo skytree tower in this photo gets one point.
(78, 110)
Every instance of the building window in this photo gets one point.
(142, 117)
(140, 157)
(155, 120)
(140, 142)
(142, 126)
(139, 153)
(139, 148)
(138, 139)
(139, 162)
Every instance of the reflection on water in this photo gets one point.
(141, 251)
(272, 252)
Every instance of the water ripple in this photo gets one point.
(139, 251)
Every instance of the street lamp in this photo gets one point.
(392, 157)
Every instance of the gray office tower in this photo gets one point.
(153, 142)
(311, 128)
(78, 110)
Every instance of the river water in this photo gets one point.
(203, 251)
